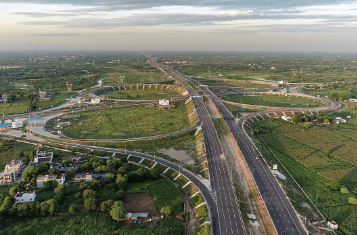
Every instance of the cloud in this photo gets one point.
(53, 34)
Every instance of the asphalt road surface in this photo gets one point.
(229, 219)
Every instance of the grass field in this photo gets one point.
(23, 105)
(166, 194)
(128, 122)
(273, 100)
(322, 160)
(143, 94)
(235, 83)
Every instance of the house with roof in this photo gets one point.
(11, 172)
(164, 103)
(42, 179)
(43, 157)
(83, 177)
(24, 197)
(137, 216)
(5, 127)
(36, 121)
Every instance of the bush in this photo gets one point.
(89, 204)
(166, 211)
(72, 209)
(106, 206)
(118, 212)
(88, 193)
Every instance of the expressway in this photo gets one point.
(229, 219)
(282, 212)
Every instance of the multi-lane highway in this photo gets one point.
(282, 212)
(229, 219)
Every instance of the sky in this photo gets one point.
(204, 25)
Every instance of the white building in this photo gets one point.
(17, 124)
(83, 177)
(95, 100)
(43, 157)
(339, 120)
(23, 197)
(354, 100)
(332, 225)
(42, 179)
(286, 118)
(164, 102)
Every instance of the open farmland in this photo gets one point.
(322, 160)
(133, 71)
(273, 100)
(128, 122)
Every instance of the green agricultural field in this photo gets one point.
(143, 94)
(274, 100)
(128, 122)
(235, 83)
(20, 106)
(322, 160)
(131, 72)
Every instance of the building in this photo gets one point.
(339, 120)
(23, 197)
(354, 100)
(36, 121)
(5, 127)
(11, 172)
(164, 102)
(83, 177)
(17, 124)
(95, 100)
(286, 118)
(137, 216)
(332, 225)
(3, 99)
(42, 179)
(43, 157)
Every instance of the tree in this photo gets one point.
(29, 173)
(13, 190)
(89, 204)
(155, 172)
(6, 205)
(52, 206)
(106, 206)
(295, 119)
(51, 184)
(88, 193)
(72, 209)
(121, 181)
(118, 211)
(166, 211)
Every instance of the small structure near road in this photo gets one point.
(24, 197)
(83, 177)
(137, 217)
(95, 100)
(164, 103)
(36, 121)
(332, 225)
(278, 174)
(339, 120)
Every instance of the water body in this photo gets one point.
(179, 155)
